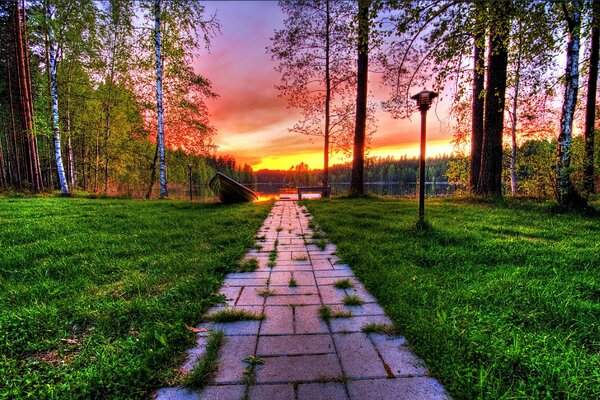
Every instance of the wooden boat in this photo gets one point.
(231, 191)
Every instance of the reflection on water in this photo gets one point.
(407, 189)
(404, 189)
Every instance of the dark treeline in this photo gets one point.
(377, 170)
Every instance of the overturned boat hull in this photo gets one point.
(231, 191)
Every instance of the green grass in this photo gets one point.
(266, 293)
(95, 295)
(233, 315)
(202, 373)
(343, 284)
(501, 299)
(293, 282)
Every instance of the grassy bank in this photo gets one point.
(95, 294)
(501, 300)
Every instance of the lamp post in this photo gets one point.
(190, 175)
(424, 99)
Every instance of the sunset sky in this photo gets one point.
(252, 121)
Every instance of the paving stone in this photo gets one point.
(321, 264)
(293, 267)
(254, 275)
(300, 255)
(331, 295)
(286, 290)
(305, 278)
(244, 282)
(280, 278)
(362, 293)
(358, 355)
(237, 328)
(194, 354)
(250, 297)
(284, 255)
(176, 393)
(300, 299)
(229, 392)
(230, 366)
(322, 391)
(334, 273)
(299, 368)
(331, 280)
(398, 357)
(397, 389)
(365, 309)
(294, 345)
(272, 392)
(355, 324)
(307, 320)
(231, 293)
(279, 321)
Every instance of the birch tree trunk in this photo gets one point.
(566, 194)
(590, 111)
(62, 179)
(478, 103)
(358, 156)
(160, 142)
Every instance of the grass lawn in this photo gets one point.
(501, 300)
(95, 295)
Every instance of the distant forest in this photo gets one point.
(377, 169)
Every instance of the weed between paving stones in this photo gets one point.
(266, 293)
(293, 282)
(273, 255)
(232, 315)
(249, 265)
(343, 284)
(326, 313)
(201, 374)
(353, 300)
(384, 329)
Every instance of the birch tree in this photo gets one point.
(566, 194)
(160, 142)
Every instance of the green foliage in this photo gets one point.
(95, 294)
(383, 329)
(248, 265)
(500, 299)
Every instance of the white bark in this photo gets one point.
(565, 190)
(62, 179)
(159, 103)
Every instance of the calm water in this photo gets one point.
(381, 188)
(406, 189)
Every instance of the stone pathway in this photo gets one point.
(305, 358)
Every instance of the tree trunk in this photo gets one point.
(478, 100)
(152, 173)
(513, 130)
(490, 176)
(159, 103)
(3, 181)
(15, 142)
(566, 194)
(590, 111)
(327, 96)
(358, 161)
(26, 102)
(62, 179)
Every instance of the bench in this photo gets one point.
(324, 190)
